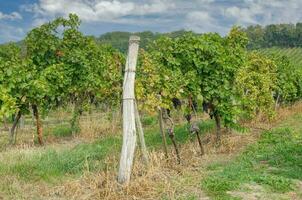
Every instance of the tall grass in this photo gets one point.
(50, 164)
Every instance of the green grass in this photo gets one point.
(273, 162)
(149, 120)
(62, 131)
(154, 140)
(50, 165)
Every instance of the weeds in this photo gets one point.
(52, 164)
(273, 162)
(62, 131)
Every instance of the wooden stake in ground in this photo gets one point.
(129, 128)
(162, 131)
(141, 135)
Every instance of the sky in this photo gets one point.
(17, 17)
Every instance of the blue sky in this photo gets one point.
(17, 17)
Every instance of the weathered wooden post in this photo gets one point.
(162, 130)
(141, 136)
(129, 126)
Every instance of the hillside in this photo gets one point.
(294, 54)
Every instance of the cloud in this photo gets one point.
(99, 16)
(220, 16)
(242, 15)
(11, 16)
(98, 10)
(199, 15)
(265, 12)
(10, 33)
(202, 21)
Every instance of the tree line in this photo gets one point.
(119, 40)
(274, 35)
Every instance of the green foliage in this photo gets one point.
(288, 81)
(256, 82)
(206, 65)
(60, 65)
(14, 80)
(7, 103)
(149, 120)
(272, 162)
(156, 84)
(288, 73)
(277, 35)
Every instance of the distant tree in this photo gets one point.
(279, 35)
(119, 40)
(255, 35)
(298, 35)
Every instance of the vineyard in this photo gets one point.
(294, 54)
(219, 121)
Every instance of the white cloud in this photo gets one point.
(164, 15)
(98, 10)
(202, 21)
(218, 16)
(11, 16)
(39, 21)
(10, 33)
(242, 15)
(265, 12)
(242, 12)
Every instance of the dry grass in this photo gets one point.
(155, 182)
(93, 126)
(258, 192)
(162, 179)
(282, 113)
(100, 125)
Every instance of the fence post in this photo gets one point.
(141, 135)
(129, 128)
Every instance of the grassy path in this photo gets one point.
(268, 169)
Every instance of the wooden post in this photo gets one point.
(129, 129)
(162, 131)
(22, 122)
(141, 135)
